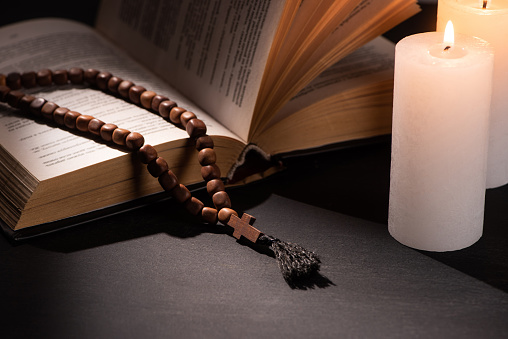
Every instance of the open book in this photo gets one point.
(275, 76)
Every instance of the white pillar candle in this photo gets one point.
(491, 24)
(441, 108)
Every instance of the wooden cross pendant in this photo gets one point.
(243, 227)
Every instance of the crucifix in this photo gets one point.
(243, 227)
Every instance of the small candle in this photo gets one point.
(487, 20)
(442, 92)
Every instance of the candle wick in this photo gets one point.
(447, 48)
(485, 4)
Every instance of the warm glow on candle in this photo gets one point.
(488, 20)
(441, 106)
(448, 35)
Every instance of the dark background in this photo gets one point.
(84, 11)
(153, 271)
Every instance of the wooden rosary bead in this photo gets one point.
(3, 81)
(14, 80)
(210, 172)
(196, 128)
(165, 108)
(156, 101)
(168, 181)
(185, 117)
(174, 114)
(4, 90)
(225, 214)
(134, 141)
(207, 156)
(25, 101)
(48, 109)
(181, 193)
(124, 87)
(157, 166)
(204, 141)
(44, 77)
(147, 153)
(221, 200)
(36, 106)
(13, 98)
(90, 76)
(146, 99)
(29, 79)
(113, 84)
(194, 206)
(102, 80)
(59, 115)
(119, 135)
(76, 75)
(214, 186)
(107, 131)
(95, 125)
(60, 77)
(209, 215)
(82, 122)
(70, 119)
(135, 93)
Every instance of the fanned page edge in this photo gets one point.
(270, 102)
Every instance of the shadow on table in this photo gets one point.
(356, 182)
(162, 217)
(353, 182)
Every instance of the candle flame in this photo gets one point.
(448, 39)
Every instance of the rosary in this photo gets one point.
(294, 261)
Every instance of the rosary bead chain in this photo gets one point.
(294, 261)
(133, 141)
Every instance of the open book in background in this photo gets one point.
(242, 61)
(262, 74)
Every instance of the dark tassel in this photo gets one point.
(295, 262)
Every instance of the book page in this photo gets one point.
(47, 151)
(370, 64)
(213, 51)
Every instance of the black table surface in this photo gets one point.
(154, 272)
